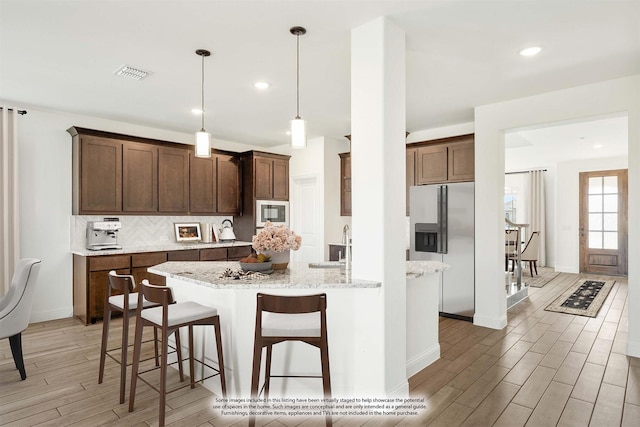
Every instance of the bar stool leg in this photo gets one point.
(255, 376)
(155, 346)
(163, 373)
(267, 373)
(191, 367)
(123, 354)
(223, 382)
(105, 341)
(137, 345)
(178, 352)
(326, 377)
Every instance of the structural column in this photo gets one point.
(378, 201)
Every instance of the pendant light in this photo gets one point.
(298, 131)
(203, 138)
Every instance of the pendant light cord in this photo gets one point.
(202, 92)
(297, 76)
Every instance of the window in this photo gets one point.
(603, 212)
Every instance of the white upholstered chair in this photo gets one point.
(15, 308)
(530, 253)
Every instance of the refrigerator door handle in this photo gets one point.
(443, 201)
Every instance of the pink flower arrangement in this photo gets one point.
(276, 238)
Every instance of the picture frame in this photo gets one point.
(187, 231)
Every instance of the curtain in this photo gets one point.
(537, 210)
(9, 203)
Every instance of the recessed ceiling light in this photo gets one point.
(196, 111)
(531, 51)
(598, 146)
(288, 132)
(262, 85)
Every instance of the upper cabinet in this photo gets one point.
(97, 183)
(125, 175)
(445, 160)
(345, 184)
(270, 176)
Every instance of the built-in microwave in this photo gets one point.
(276, 211)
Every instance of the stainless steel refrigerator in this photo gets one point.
(442, 229)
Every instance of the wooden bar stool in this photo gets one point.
(127, 304)
(289, 318)
(169, 316)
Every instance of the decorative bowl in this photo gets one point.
(255, 266)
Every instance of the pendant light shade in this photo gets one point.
(298, 128)
(203, 138)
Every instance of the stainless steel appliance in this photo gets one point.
(276, 211)
(103, 235)
(442, 229)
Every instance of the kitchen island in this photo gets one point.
(348, 321)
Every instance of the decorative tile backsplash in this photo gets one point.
(139, 230)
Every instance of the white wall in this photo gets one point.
(45, 197)
(609, 97)
(568, 208)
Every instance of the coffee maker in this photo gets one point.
(103, 235)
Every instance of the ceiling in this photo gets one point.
(62, 55)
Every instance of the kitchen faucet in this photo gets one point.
(346, 239)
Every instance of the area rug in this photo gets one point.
(544, 276)
(584, 298)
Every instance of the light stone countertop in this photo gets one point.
(296, 276)
(170, 246)
(416, 269)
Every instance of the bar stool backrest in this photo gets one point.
(292, 304)
(158, 294)
(123, 283)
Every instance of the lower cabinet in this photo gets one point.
(91, 273)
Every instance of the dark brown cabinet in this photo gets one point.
(228, 184)
(127, 175)
(271, 178)
(139, 178)
(173, 180)
(411, 173)
(445, 160)
(215, 185)
(97, 164)
(345, 184)
(91, 273)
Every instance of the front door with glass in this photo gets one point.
(603, 222)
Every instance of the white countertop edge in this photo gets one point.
(196, 277)
(158, 248)
(416, 269)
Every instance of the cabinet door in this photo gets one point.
(461, 161)
(98, 282)
(101, 175)
(263, 177)
(345, 184)
(411, 172)
(173, 182)
(140, 178)
(202, 185)
(431, 164)
(228, 184)
(281, 179)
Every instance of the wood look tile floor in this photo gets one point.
(543, 369)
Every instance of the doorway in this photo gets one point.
(603, 222)
(306, 217)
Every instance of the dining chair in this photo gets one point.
(529, 253)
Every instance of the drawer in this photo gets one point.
(237, 252)
(213, 254)
(148, 259)
(109, 262)
(186, 255)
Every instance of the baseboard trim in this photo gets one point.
(490, 322)
(633, 348)
(400, 391)
(422, 360)
(45, 316)
(566, 269)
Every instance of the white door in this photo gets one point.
(306, 217)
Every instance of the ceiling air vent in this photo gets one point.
(133, 73)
